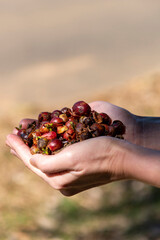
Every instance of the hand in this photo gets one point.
(82, 165)
(76, 168)
(118, 113)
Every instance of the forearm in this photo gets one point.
(142, 164)
(148, 132)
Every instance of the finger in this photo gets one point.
(22, 152)
(7, 143)
(18, 145)
(99, 105)
(72, 191)
(59, 162)
(63, 180)
(11, 151)
(14, 153)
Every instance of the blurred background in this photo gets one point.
(52, 54)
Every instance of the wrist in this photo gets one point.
(139, 130)
(133, 128)
(115, 159)
(142, 164)
(148, 130)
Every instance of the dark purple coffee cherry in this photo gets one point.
(66, 111)
(56, 113)
(85, 135)
(106, 119)
(96, 116)
(119, 127)
(87, 121)
(81, 109)
(79, 128)
(22, 133)
(44, 116)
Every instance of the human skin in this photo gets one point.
(97, 161)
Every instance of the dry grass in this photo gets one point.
(126, 210)
(140, 96)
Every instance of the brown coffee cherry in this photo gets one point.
(97, 129)
(42, 143)
(119, 127)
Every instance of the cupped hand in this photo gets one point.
(82, 165)
(76, 168)
(118, 113)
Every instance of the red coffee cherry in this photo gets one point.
(50, 135)
(57, 121)
(54, 145)
(44, 116)
(56, 113)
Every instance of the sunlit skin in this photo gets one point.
(100, 160)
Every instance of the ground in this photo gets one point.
(30, 209)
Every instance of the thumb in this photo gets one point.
(53, 163)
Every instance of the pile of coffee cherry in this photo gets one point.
(55, 130)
